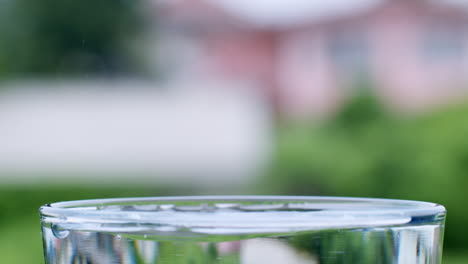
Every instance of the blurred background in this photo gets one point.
(117, 98)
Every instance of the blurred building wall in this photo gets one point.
(413, 53)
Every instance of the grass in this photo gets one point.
(21, 241)
(455, 257)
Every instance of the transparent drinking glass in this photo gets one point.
(243, 230)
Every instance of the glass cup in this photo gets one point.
(243, 230)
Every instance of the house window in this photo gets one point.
(349, 51)
(443, 43)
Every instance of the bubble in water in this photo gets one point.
(59, 232)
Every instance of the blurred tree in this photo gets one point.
(365, 151)
(68, 37)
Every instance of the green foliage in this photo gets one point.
(67, 37)
(365, 151)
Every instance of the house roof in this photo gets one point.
(279, 13)
(284, 13)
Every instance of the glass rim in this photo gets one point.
(237, 214)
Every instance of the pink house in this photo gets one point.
(306, 61)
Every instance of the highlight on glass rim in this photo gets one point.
(243, 229)
(166, 98)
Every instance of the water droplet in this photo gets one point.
(227, 206)
(166, 206)
(59, 232)
(118, 237)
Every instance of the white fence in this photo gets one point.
(207, 135)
